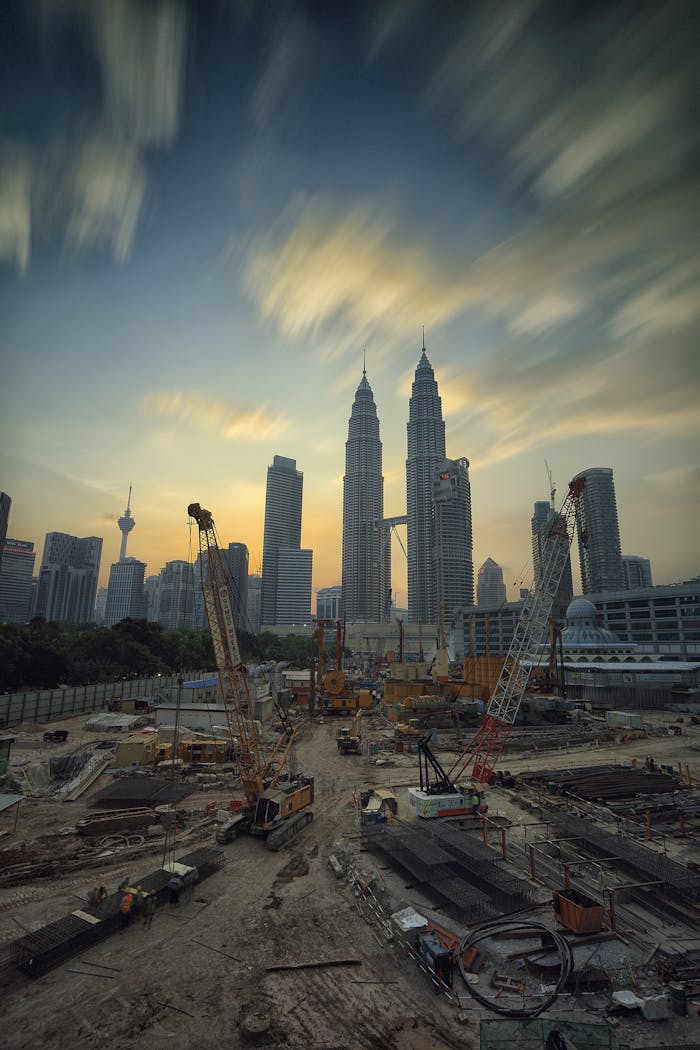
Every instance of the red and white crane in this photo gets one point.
(484, 749)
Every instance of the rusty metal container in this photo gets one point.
(578, 912)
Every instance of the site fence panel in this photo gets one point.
(50, 705)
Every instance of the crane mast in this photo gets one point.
(236, 697)
(486, 746)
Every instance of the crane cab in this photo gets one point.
(278, 804)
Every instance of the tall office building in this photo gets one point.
(16, 580)
(5, 504)
(598, 533)
(175, 603)
(100, 605)
(68, 576)
(426, 452)
(490, 588)
(548, 527)
(637, 572)
(293, 586)
(366, 579)
(125, 594)
(452, 531)
(283, 497)
(236, 561)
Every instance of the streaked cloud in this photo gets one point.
(140, 47)
(228, 421)
(621, 118)
(318, 266)
(15, 207)
(289, 48)
(108, 191)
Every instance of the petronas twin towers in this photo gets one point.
(438, 512)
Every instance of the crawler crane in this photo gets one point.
(440, 794)
(275, 805)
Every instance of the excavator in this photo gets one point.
(275, 803)
(349, 741)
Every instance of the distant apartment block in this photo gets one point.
(294, 586)
(490, 588)
(68, 575)
(175, 603)
(487, 631)
(328, 603)
(125, 594)
(666, 617)
(16, 580)
(548, 528)
(598, 533)
(637, 572)
(236, 559)
(253, 604)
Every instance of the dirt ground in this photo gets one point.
(198, 976)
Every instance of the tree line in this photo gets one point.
(46, 655)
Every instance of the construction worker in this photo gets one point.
(101, 893)
(125, 908)
(137, 906)
(149, 909)
(175, 887)
(476, 802)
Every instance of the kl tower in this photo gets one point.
(126, 524)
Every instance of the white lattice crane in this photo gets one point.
(486, 746)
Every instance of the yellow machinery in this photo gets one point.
(275, 804)
(349, 741)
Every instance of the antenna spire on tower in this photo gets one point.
(364, 360)
(423, 327)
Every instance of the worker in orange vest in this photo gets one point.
(125, 908)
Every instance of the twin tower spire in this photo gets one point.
(438, 510)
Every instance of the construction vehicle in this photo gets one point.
(486, 746)
(349, 741)
(337, 698)
(275, 803)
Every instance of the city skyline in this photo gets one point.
(199, 239)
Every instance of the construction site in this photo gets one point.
(411, 870)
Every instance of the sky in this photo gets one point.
(210, 211)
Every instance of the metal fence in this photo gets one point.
(50, 705)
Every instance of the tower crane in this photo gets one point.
(275, 804)
(442, 796)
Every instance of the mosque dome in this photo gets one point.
(582, 630)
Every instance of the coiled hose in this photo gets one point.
(487, 929)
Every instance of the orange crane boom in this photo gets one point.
(270, 796)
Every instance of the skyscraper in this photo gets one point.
(5, 504)
(125, 593)
(548, 527)
(175, 603)
(329, 603)
(637, 572)
(282, 527)
(236, 559)
(68, 576)
(253, 603)
(490, 588)
(452, 531)
(598, 533)
(426, 452)
(366, 578)
(16, 580)
(126, 524)
(293, 586)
